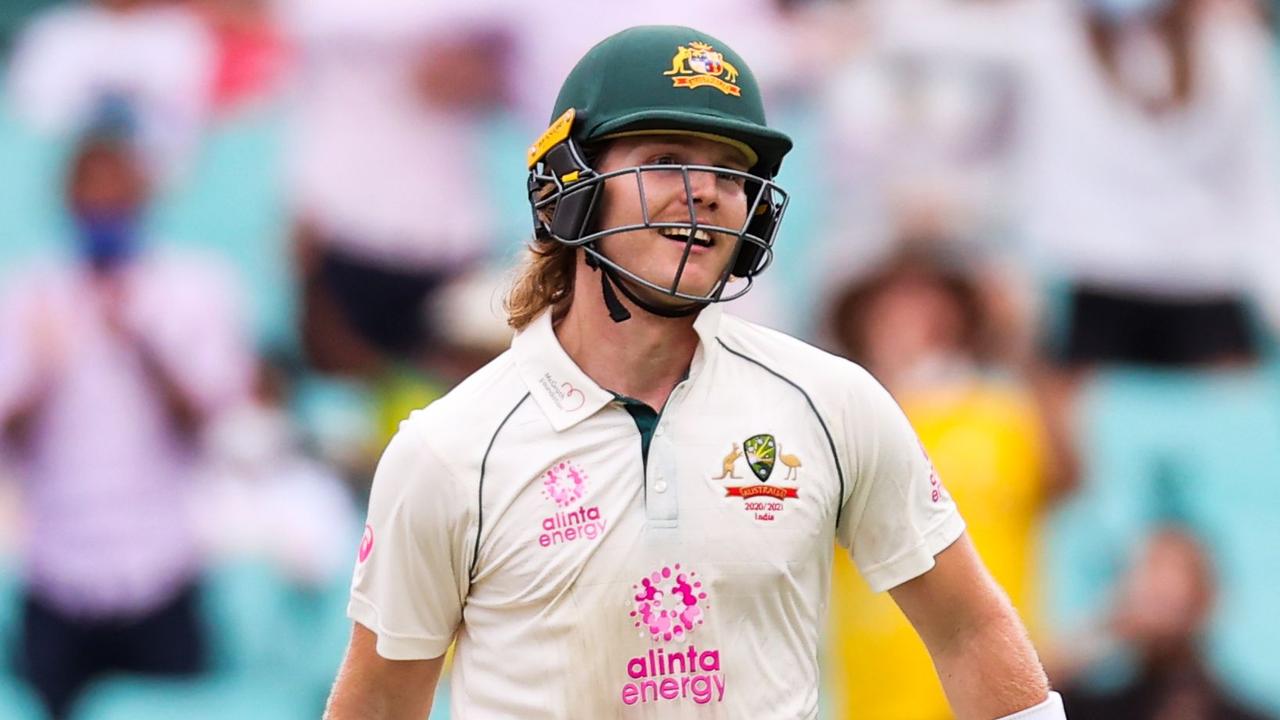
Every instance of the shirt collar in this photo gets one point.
(562, 390)
(565, 393)
(707, 326)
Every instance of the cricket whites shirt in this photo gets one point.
(595, 559)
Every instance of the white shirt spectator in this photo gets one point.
(160, 59)
(104, 474)
(1176, 205)
(1179, 205)
(384, 173)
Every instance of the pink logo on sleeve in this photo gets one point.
(366, 543)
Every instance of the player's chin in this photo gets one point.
(695, 281)
(701, 268)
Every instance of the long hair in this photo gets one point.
(544, 280)
(545, 277)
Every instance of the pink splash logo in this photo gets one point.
(668, 603)
(366, 543)
(564, 483)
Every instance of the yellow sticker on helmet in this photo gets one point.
(554, 135)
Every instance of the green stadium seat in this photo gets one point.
(134, 698)
(244, 605)
(18, 701)
(10, 614)
(14, 14)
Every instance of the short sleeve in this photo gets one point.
(898, 515)
(410, 580)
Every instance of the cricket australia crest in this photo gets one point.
(762, 452)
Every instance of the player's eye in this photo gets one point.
(666, 159)
(733, 178)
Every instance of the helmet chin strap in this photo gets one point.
(617, 311)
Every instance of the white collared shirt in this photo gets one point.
(582, 580)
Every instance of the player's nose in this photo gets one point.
(701, 189)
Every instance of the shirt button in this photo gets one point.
(659, 431)
(660, 486)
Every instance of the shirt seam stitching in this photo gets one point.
(475, 554)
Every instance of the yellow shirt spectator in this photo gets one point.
(985, 441)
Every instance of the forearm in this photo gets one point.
(978, 644)
(356, 700)
(991, 670)
(183, 410)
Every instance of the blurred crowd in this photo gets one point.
(241, 239)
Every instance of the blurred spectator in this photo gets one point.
(387, 172)
(1161, 610)
(920, 115)
(918, 122)
(1149, 184)
(1128, 151)
(156, 55)
(919, 325)
(110, 368)
(259, 496)
(472, 324)
(1150, 180)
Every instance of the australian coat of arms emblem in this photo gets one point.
(698, 64)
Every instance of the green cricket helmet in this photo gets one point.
(667, 80)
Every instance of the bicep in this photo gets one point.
(954, 597)
(898, 516)
(372, 687)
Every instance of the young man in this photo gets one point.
(631, 513)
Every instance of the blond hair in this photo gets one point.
(544, 280)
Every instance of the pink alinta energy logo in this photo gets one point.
(565, 484)
(668, 605)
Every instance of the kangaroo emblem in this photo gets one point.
(729, 460)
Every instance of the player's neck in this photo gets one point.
(644, 357)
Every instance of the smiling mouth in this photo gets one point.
(701, 238)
